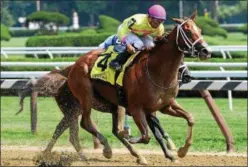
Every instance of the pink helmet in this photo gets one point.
(157, 11)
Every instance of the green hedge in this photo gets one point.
(23, 33)
(108, 24)
(87, 37)
(233, 29)
(90, 31)
(67, 40)
(244, 28)
(5, 34)
(48, 17)
(210, 27)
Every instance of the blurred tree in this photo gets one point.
(214, 9)
(45, 18)
(21, 9)
(6, 17)
(226, 11)
(91, 8)
(189, 7)
(67, 8)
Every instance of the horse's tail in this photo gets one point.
(26, 91)
(47, 85)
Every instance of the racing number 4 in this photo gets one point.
(104, 62)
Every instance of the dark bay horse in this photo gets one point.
(150, 84)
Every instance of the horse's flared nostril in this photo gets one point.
(205, 51)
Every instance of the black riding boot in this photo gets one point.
(185, 74)
(119, 60)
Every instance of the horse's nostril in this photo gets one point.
(205, 51)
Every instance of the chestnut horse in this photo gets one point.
(55, 84)
(150, 84)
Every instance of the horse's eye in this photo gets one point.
(188, 32)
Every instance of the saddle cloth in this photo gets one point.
(102, 71)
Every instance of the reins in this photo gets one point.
(149, 76)
(190, 45)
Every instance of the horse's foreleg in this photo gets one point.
(121, 120)
(176, 110)
(116, 131)
(61, 127)
(153, 124)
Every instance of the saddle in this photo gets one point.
(102, 71)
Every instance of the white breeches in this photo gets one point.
(140, 42)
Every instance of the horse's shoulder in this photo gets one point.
(140, 57)
(90, 57)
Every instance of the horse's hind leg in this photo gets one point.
(80, 86)
(74, 139)
(117, 132)
(176, 110)
(61, 127)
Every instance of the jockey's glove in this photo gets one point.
(130, 49)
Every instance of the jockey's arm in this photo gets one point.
(122, 32)
(159, 35)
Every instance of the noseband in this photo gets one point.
(190, 46)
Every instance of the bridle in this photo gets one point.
(190, 46)
(190, 49)
(153, 82)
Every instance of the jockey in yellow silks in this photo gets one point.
(137, 32)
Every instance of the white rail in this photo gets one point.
(6, 51)
(62, 64)
(35, 64)
(197, 74)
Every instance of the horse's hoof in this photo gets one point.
(107, 153)
(170, 144)
(230, 151)
(181, 152)
(83, 157)
(142, 161)
(175, 161)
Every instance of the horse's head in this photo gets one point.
(189, 38)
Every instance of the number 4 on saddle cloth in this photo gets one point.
(102, 71)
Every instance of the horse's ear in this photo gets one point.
(193, 16)
(179, 21)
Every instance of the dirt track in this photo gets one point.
(23, 156)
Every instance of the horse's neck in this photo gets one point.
(165, 61)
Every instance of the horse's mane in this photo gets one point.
(158, 44)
